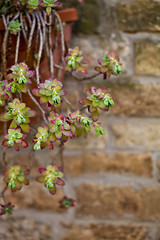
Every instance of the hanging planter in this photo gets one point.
(29, 46)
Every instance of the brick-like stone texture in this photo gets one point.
(101, 232)
(24, 228)
(91, 142)
(138, 15)
(35, 196)
(139, 134)
(147, 57)
(138, 164)
(101, 201)
(132, 99)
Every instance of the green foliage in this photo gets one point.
(14, 26)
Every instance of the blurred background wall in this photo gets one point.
(114, 178)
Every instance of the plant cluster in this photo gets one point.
(48, 95)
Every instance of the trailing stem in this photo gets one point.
(62, 36)
(33, 23)
(38, 105)
(40, 49)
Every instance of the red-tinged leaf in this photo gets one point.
(75, 113)
(48, 11)
(26, 172)
(30, 73)
(53, 190)
(95, 116)
(50, 146)
(67, 126)
(35, 91)
(52, 138)
(58, 135)
(31, 113)
(92, 108)
(79, 132)
(24, 89)
(18, 185)
(82, 101)
(16, 147)
(67, 133)
(59, 182)
(43, 145)
(83, 70)
(98, 69)
(25, 127)
(40, 179)
(24, 144)
(4, 143)
(41, 170)
(59, 169)
(43, 99)
(64, 138)
(4, 173)
(73, 129)
(26, 181)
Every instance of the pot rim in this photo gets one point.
(66, 15)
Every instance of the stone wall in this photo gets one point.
(114, 178)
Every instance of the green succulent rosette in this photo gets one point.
(19, 114)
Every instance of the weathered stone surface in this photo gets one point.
(24, 228)
(107, 201)
(133, 100)
(139, 164)
(73, 98)
(101, 232)
(91, 142)
(147, 57)
(35, 196)
(139, 134)
(138, 15)
(89, 14)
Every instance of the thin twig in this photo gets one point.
(4, 48)
(16, 16)
(38, 105)
(85, 78)
(29, 18)
(23, 27)
(68, 102)
(17, 47)
(58, 66)
(62, 36)
(50, 48)
(40, 49)
(61, 149)
(3, 193)
(30, 37)
(31, 157)
(4, 148)
(83, 108)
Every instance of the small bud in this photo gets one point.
(99, 131)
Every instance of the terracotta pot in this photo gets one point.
(67, 16)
